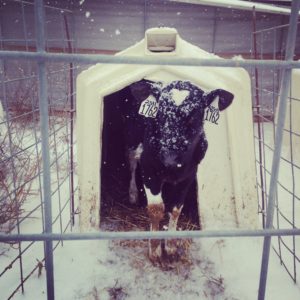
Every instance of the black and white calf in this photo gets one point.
(167, 138)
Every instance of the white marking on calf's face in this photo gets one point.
(179, 96)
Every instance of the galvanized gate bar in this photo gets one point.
(284, 91)
(149, 60)
(139, 235)
(44, 116)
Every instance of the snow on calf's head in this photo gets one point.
(175, 132)
(179, 122)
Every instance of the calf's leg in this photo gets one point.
(170, 244)
(155, 210)
(174, 196)
(134, 157)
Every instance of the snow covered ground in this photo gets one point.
(218, 269)
(211, 269)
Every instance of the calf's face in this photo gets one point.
(177, 129)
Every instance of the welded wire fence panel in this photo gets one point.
(266, 92)
(21, 167)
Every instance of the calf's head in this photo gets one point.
(175, 132)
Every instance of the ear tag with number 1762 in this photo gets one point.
(149, 107)
(212, 114)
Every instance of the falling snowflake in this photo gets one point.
(117, 32)
(87, 14)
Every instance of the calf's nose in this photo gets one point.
(171, 160)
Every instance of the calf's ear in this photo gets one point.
(143, 88)
(140, 90)
(225, 98)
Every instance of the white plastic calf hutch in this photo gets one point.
(226, 176)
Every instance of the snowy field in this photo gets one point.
(211, 268)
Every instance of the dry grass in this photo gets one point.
(117, 292)
(127, 217)
(20, 167)
(121, 217)
(17, 167)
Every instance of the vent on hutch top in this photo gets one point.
(162, 40)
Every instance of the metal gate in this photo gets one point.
(48, 134)
(266, 95)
